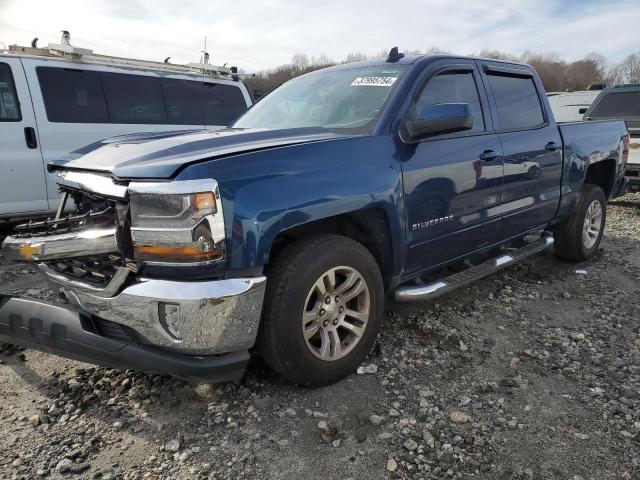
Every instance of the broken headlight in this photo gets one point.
(177, 222)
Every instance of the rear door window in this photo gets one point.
(133, 98)
(618, 105)
(517, 101)
(72, 96)
(9, 104)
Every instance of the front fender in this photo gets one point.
(268, 192)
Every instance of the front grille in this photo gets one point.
(97, 270)
(90, 212)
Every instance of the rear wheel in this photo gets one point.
(322, 310)
(579, 237)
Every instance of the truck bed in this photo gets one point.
(586, 143)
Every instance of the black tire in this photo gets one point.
(289, 282)
(569, 240)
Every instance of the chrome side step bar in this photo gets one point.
(429, 291)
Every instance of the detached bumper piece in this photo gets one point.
(76, 335)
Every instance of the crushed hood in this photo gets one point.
(160, 155)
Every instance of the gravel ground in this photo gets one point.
(531, 373)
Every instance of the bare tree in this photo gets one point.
(556, 74)
(356, 57)
(300, 61)
(630, 69)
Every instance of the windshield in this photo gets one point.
(618, 105)
(336, 100)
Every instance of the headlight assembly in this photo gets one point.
(177, 222)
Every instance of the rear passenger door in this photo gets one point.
(22, 177)
(531, 145)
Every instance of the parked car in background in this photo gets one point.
(622, 102)
(571, 106)
(52, 103)
(282, 233)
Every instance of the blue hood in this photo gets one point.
(160, 155)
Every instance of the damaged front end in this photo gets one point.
(142, 265)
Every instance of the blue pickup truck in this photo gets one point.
(185, 253)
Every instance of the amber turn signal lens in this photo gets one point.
(176, 254)
(205, 201)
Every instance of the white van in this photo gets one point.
(570, 106)
(51, 105)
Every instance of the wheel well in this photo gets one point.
(368, 227)
(602, 174)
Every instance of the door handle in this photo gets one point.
(552, 146)
(489, 155)
(30, 137)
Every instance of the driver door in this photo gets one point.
(452, 182)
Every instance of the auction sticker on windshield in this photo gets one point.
(374, 81)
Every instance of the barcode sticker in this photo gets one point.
(373, 81)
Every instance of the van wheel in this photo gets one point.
(579, 237)
(322, 311)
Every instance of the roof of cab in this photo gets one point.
(414, 59)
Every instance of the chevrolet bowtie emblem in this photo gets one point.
(28, 251)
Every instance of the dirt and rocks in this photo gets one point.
(532, 373)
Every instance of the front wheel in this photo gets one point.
(579, 237)
(322, 311)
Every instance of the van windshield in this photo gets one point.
(336, 100)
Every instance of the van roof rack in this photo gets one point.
(65, 50)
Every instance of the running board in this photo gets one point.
(428, 291)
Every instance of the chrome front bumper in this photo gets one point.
(199, 318)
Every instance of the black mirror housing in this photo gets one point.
(438, 119)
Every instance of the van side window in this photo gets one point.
(222, 103)
(454, 87)
(133, 98)
(9, 105)
(517, 101)
(86, 96)
(184, 101)
(207, 103)
(72, 96)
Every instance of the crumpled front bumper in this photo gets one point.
(73, 334)
(199, 331)
(197, 318)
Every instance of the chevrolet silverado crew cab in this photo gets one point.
(282, 233)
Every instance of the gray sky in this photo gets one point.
(261, 34)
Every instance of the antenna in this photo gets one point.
(205, 55)
(394, 55)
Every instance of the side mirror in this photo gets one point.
(440, 118)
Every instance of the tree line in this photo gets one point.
(557, 75)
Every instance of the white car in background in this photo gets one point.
(53, 102)
(571, 106)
